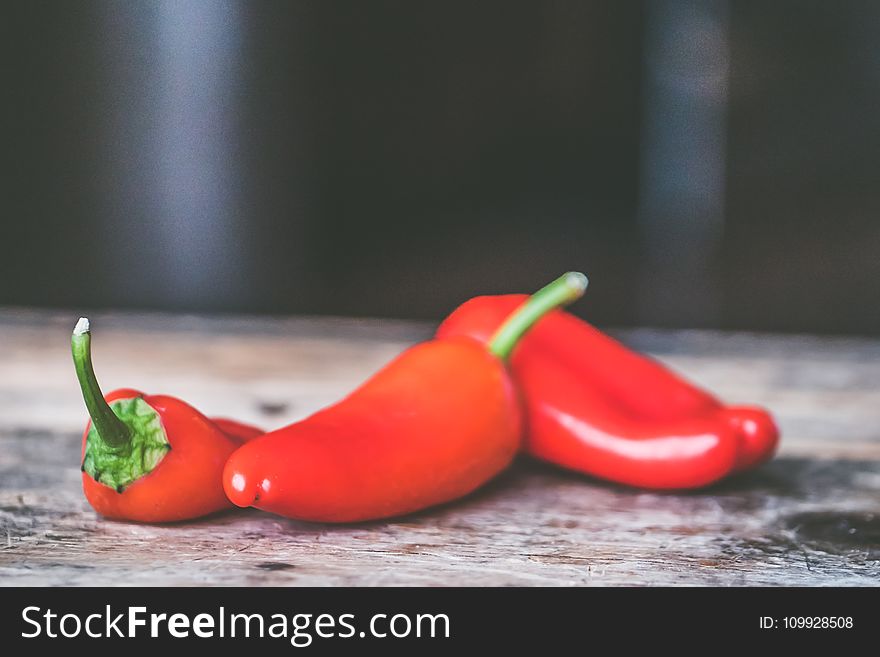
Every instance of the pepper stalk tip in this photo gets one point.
(576, 281)
(82, 326)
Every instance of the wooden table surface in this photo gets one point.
(811, 517)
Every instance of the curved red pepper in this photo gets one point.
(186, 481)
(433, 425)
(405, 440)
(595, 406)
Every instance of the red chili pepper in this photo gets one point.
(150, 458)
(433, 425)
(595, 406)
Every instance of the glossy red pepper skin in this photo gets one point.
(238, 431)
(595, 406)
(186, 483)
(433, 425)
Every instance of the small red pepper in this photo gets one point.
(433, 425)
(595, 406)
(150, 458)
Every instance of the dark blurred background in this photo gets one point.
(708, 164)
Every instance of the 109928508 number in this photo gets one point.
(817, 622)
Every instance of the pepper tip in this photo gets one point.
(240, 489)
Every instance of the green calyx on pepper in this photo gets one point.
(126, 439)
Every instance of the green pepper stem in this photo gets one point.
(110, 428)
(564, 290)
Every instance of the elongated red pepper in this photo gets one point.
(150, 458)
(434, 424)
(595, 406)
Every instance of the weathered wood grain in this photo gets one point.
(812, 516)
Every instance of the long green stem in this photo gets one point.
(564, 290)
(110, 428)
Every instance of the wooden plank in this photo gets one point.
(809, 517)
